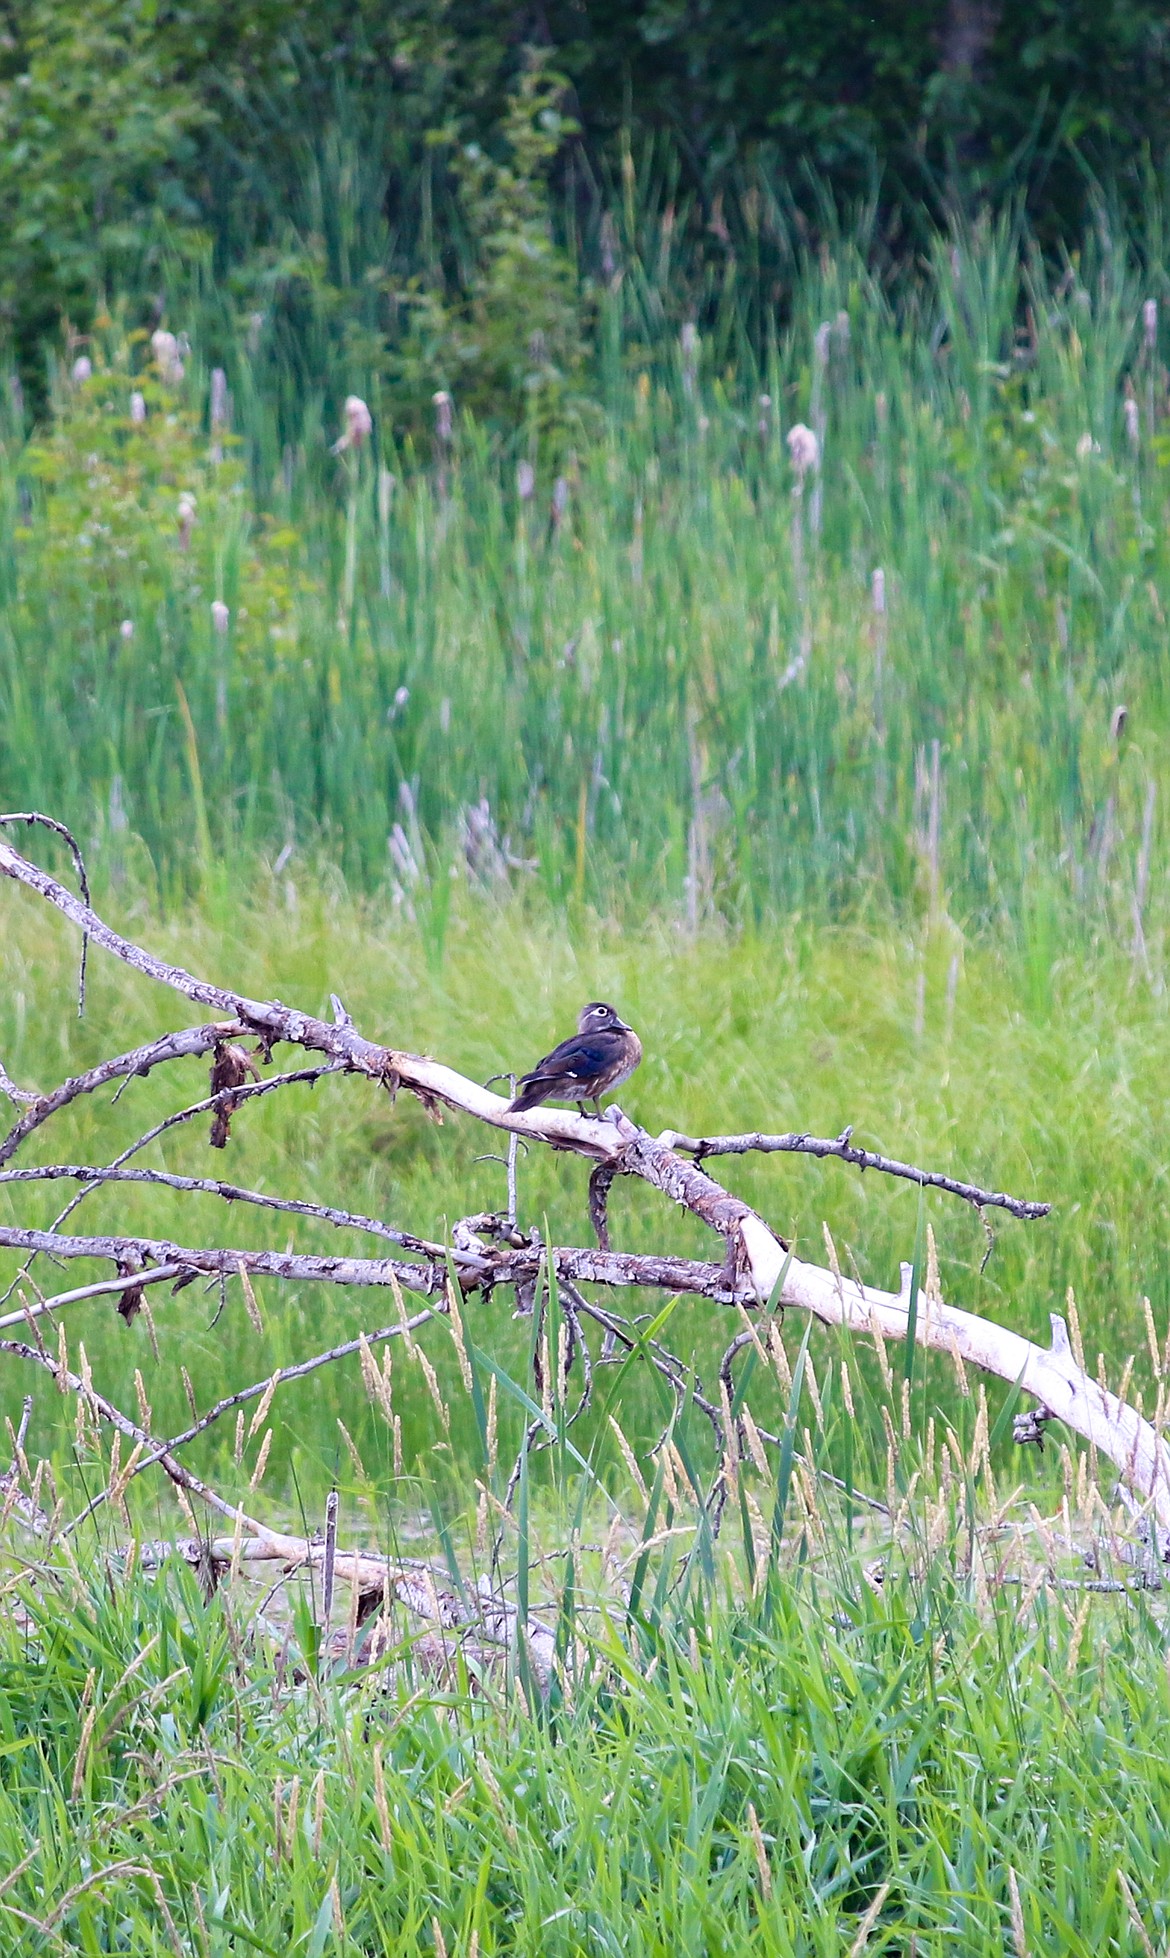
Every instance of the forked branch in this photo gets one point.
(758, 1265)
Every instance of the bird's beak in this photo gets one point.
(622, 1027)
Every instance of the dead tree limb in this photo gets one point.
(215, 1187)
(619, 1269)
(139, 1060)
(758, 1261)
(843, 1148)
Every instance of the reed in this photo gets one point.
(648, 658)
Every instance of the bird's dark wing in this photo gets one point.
(567, 1070)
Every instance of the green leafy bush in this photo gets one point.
(513, 328)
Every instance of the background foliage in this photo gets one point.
(849, 786)
(356, 144)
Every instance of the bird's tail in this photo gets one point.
(531, 1093)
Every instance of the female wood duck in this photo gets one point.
(602, 1054)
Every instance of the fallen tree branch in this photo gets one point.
(274, 1021)
(476, 1270)
(484, 1611)
(222, 1099)
(139, 1060)
(843, 1148)
(230, 1402)
(213, 1186)
(211, 1260)
(758, 1261)
(181, 1476)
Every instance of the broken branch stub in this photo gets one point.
(757, 1263)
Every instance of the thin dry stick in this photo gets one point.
(104, 1288)
(34, 818)
(230, 1192)
(257, 1390)
(842, 1148)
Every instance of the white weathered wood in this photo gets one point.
(1048, 1376)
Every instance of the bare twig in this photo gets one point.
(130, 1431)
(330, 1565)
(222, 1099)
(34, 819)
(20, 1097)
(843, 1149)
(257, 1389)
(127, 1281)
(213, 1186)
(139, 1060)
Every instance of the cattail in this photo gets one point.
(358, 420)
(165, 348)
(444, 428)
(138, 406)
(803, 448)
(186, 518)
(1150, 325)
(358, 424)
(220, 617)
(82, 368)
(525, 482)
(219, 411)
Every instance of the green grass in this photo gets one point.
(805, 935)
(1043, 1078)
(724, 1778)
